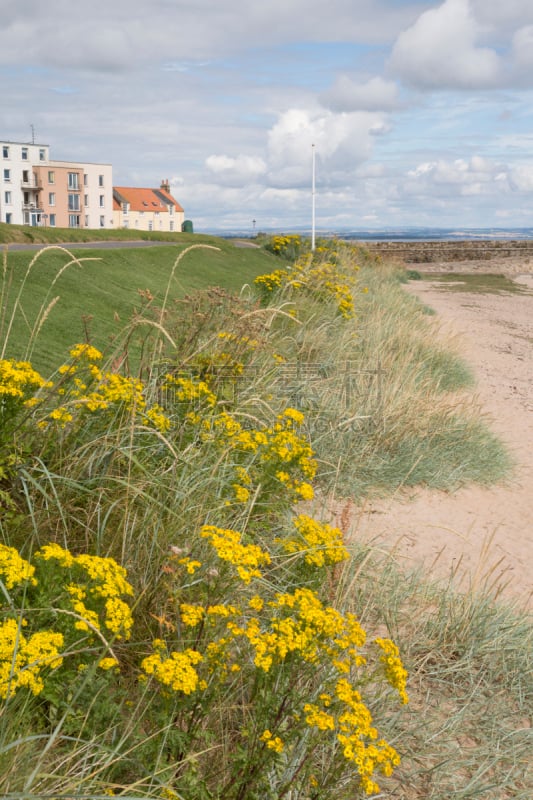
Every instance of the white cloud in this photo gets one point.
(441, 51)
(123, 33)
(347, 94)
(342, 142)
(460, 177)
(235, 171)
(523, 49)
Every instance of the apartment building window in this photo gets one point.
(74, 220)
(24, 153)
(73, 203)
(73, 180)
(51, 198)
(102, 201)
(7, 174)
(25, 176)
(102, 221)
(86, 200)
(51, 176)
(42, 155)
(5, 151)
(85, 179)
(52, 220)
(86, 220)
(7, 198)
(26, 198)
(100, 180)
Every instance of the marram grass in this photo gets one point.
(175, 625)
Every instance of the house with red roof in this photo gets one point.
(147, 209)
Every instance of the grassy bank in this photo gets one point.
(26, 234)
(92, 295)
(176, 623)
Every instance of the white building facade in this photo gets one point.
(38, 191)
(20, 186)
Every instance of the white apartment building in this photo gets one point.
(20, 189)
(35, 190)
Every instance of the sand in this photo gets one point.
(481, 536)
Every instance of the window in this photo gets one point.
(86, 200)
(52, 220)
(9, 217)
(51, 198)
(85, 179)
(7, 174)
(150, 225)
(156, 213)
(73, 181)
(51, 177)
(172, 225)
(26, 198)
(86, 220)
(7, 198)
(171, 210)
(102, 221)
(100, 180)
(42, 155)
(74, 220)
(125, 208)
(5, 151)
(25, 176)
(74, 204)
(102, 201)
(24, 153)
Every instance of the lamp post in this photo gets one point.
(313, 199)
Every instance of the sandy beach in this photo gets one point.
(481, 536)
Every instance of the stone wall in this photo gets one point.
(427, 252)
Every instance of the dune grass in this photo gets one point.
(212, 632)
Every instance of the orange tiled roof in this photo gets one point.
(144, 199)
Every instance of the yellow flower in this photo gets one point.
(107, 663)
(395, 672)
(227, 543)
(177, 671)
(272, 742)
(14, 569)
(191, 615)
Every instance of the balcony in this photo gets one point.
(32, 207)
(32, 183)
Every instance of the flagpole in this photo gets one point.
(313, 202)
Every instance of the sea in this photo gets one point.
(407, 234)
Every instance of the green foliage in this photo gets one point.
(173, 623)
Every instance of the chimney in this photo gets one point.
(165, 185)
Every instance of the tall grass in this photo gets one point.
(234, 668)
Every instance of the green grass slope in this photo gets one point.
(92, 294)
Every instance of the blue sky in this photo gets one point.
(421, 112)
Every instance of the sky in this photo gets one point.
(418, 113)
